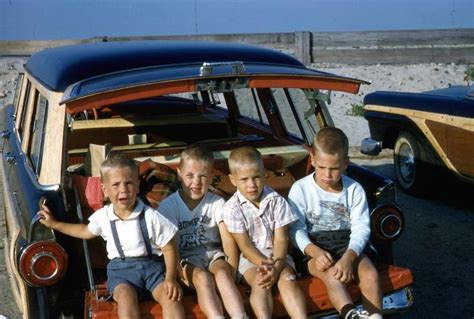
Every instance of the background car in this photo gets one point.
(148, 100)
(430, 133)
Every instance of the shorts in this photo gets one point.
(143, 273)
(201, 258)
(245, 264)
(335, 242)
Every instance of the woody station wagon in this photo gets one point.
(431, 133)
(149, 100)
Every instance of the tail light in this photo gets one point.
(387, 222)
(43, 263)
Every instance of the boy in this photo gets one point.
(258, 219)
(334, 226)
(134, 270)
(202, 234)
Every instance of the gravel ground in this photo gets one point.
(429, 246)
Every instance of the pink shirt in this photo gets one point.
(241, 216)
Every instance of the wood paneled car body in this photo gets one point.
(430, 132)
(149, 100)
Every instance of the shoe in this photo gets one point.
(358, 314)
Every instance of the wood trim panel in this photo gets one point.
(460, 149)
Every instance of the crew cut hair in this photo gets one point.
(197, 152)
(117, 161)
(331, 140)
(242, 156)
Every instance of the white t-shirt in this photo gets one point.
(319, 210)
(160, 230)
(198, 228)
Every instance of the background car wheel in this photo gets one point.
(411, 164)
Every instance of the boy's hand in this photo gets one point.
(343, 270)
(45, 216)
(323, 260)
(173, 289)
(267, 273)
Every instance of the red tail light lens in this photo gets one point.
(43, 263)
(387, 222)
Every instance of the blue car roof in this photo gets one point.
(455, 100)
(57, 68)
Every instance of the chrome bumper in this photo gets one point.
(371, 147)
(394, 302)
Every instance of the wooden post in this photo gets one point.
(303, 46)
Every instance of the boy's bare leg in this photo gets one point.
(169, 308)
(291, 294)
(227, 288)
(369, 283)
(336, 290)
(203, 282)
(261, 299)
(127, 301)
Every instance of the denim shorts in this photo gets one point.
(143, 273)
(201, 258)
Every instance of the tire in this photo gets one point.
(411, 165)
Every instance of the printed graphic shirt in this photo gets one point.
(198, 228)
(319, 210)
(241, 216)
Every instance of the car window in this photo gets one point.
(37, 133)
(18, 90)
(249, 105)
(289, 113)
(218, 100)
(306, 111)
(22, 108)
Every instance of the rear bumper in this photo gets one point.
(395, 302)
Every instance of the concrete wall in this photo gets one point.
(372, 47)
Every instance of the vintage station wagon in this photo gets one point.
(149, 100)
(431, 133)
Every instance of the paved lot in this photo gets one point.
(438, 246)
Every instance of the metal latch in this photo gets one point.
(236, 67)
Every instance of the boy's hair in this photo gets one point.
(117, 161)
(246, 155)
(331, 140)
(197, 152)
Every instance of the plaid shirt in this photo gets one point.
(241, 216)
(157, 181)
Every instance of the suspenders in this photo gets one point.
(144, 232)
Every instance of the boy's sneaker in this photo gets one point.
(357, 314)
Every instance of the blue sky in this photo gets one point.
(75, 19)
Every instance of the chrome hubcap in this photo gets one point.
(407, 162)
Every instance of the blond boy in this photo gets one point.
(258, 219)
(334, 226)
(136, 236)
(204, 240)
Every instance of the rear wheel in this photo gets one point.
(411, 164)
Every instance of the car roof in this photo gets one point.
(57, 68)
(457, 91)
(454, 100)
